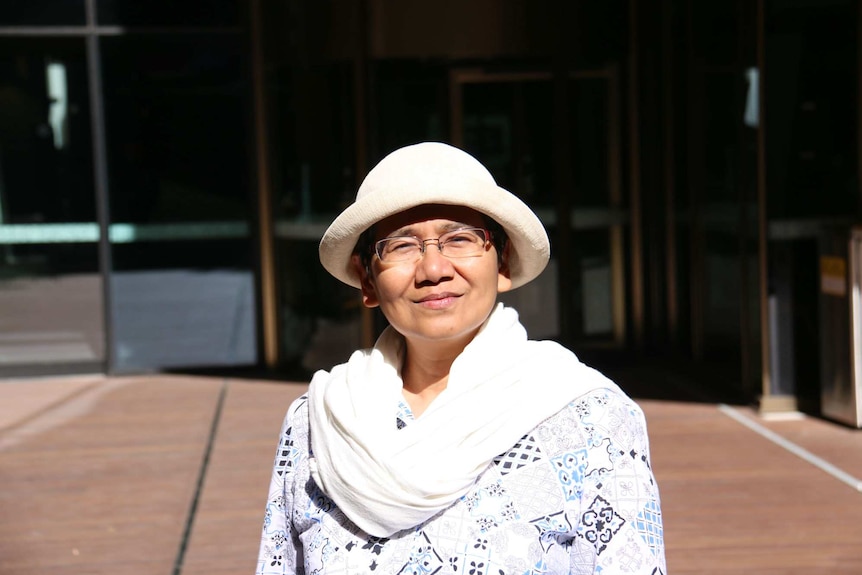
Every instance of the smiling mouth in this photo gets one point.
(437, 297)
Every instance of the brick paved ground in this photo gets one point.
(101, 475)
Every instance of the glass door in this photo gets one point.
(182, 257)
(51, 304)
(554, 143)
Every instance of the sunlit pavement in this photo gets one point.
(167, 474)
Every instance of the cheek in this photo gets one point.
(389, 285)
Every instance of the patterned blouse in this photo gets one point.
(576, 495)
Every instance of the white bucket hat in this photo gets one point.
(435, 173)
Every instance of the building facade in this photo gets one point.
(167, 169)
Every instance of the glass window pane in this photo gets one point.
(168, 12)
(311, 140)
(182, 280)
(589, 123)
(412, 98)
(50, 289)
(812, 63)
(313, 177)
(592, 296)
(508, 127)
(723, 295)
(319, 316)
(176, 128)
(185, 303)
(311, 112)
(42, 13)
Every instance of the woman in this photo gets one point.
(455, 445)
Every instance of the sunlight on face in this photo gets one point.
(435, 299)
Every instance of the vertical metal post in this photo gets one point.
(268, 281)
(694, 141)
(100, 177)
(854, 253)
(859, 109)
(637, 295)
(671, 292)
(565, 193)
(617, 231)
(456, 109)
(361, 110)
(743, 194)
(762, 220)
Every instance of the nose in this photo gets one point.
(433, 266)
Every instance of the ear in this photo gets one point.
(369, 293)
(504, 276)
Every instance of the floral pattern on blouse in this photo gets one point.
(576, 495)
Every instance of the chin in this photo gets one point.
(446, 333)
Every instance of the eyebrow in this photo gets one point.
(442, 229)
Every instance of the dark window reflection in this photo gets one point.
(50, 290)
(311, 140)
(318, 316)
(412, 103)
(721, 123)
(176, 129)
(182, 304)
(600, 32)
(176, 115)
(309, 49)
(718, 31)
(508, 126)
(202, 254)
(312, 155)
(168, 12)
(592, 293)
(42, 13)
(46, 171)
(812, 108)
(590, 127)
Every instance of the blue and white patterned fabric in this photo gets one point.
(576, 495)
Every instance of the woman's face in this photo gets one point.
(435, 299)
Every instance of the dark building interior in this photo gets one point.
(167, 170)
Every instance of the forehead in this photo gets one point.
(420, 214)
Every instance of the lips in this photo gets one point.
(438, 301)
(437, 297)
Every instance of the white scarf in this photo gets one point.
(387, 479)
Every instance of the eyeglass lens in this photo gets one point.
(465, 242)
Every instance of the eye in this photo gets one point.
(463, 238)
(399, 245)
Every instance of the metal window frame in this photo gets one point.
(91, 33)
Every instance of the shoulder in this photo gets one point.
(607, 423)
(298, 407)
(598, 403)
(550, 360)
(295, 424)
(357, 362)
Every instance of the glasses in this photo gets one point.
(460, 243)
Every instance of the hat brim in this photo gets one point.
(529, 250)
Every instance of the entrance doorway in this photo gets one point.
(553, 139)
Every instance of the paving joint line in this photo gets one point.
(193, 508)
(793, 448)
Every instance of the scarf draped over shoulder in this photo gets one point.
(387, 479)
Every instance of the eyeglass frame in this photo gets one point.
(487, 238)
(365, 245)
